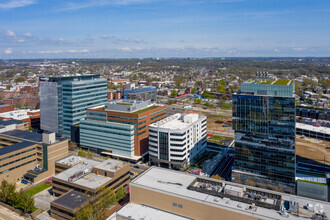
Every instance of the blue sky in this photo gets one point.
(163, 28)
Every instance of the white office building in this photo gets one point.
(176, 140)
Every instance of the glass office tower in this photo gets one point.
(264, 124)
(65, 98)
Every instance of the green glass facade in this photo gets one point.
(265, 138)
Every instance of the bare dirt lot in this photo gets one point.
(313, 149)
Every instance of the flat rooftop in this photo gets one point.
(72, 200)
(137, 211)
(81, 171)
(111, 165)
(323, 130)
(11, 122)
(176, 121)
(15, 147)
(270, 81)
(72, 160)
(27, 136)
(176, 183)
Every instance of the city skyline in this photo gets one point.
(157, 28)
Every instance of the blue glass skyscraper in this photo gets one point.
(65, 98)
(264, 124)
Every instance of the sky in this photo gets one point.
(164, 28)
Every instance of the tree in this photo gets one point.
(193, 90)
(37, 105)
(8, 87)
(197, 101)
(217, 177)
(20, 79)
(30, 128)
(97, 202)
(207, 94)
(174, 93)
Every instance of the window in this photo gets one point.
(174, 204)
(180, 206)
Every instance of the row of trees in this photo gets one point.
(19, 200)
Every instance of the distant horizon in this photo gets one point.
(141, 58)
(61, 29)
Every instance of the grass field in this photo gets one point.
(37, 189)
(226, 106)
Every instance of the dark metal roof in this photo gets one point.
(11, 122)
(15, 147)
(24, 135)
(30, 176)
(72, 200)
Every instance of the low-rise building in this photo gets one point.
(176, 140)
(31, 156)
(89, 175)
(30, 116)
(83, 179)
(11, 124)
(6, 108)
(198, 197)
(140, 93)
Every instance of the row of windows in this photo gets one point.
(162, 110)
(157, 116)
(175, 139)
(129, 123)
(13, 155)
(178, 155)
(125, 117)
(5, 171)
(178, 145)
(14, 161)
(177, 134)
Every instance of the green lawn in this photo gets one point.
(146, 109)
(37, 189)
(226, 106)
(34, 209)
(218, 138)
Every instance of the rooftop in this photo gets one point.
(270, 81)
(27, 136)
(111, 165)
(177, 121)
(72, 160)
(81, 171)
(72, 200)
(323, 130)
(11, 122)
(177, 183)
(137, 211)
(15, 147)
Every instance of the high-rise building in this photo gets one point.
(120, 128)
(265, 131)
(65, 98)
(176, 140)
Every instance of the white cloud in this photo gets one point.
(78, 51)
(276, 50)
(50, 51)
(61, 40)
(298, 48)
(21, 41)
(7, 4)
(10, 33)
(94, 3)
(27, 34)
(8, 51)
(126, 49)
(105, 36)
(128, 40)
